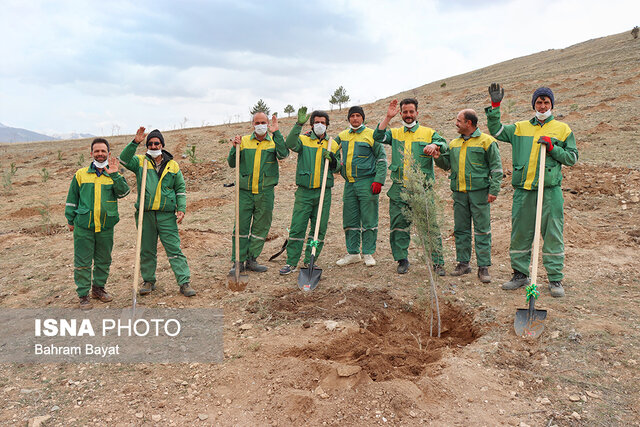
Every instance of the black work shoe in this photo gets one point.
(85, 303)
(99, 293)
(461, 268)
(146, 288)
(439, 270)
(252, 265)
(187, 290)
(517, 281)
(233, 269)
(403, 266)
(483, 274)
(556, 288)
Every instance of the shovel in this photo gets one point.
(309, 277)
(529, 321)
(237, 281)
(141, 197)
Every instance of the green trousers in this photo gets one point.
(523, 219)
(468, 206)
(163, 225)
(89, 247)
(256, 213)
(400, 234)
(305, 215)
(360, 216)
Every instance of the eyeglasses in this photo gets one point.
(151, 144)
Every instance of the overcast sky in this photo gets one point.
(109, 66)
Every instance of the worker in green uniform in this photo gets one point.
(164, 204)
(364, 168)
(259, 173)
(476, 174)
(409, 142)
(529, 138)
(92, 212)
(312, 148)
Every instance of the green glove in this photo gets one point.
(302, 116)
(328, 155)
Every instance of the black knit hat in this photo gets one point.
(355, 109)
(542, 91)
(155, 134)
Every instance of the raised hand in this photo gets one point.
(393, 109)
(496, 93)
(273, 127)
(302, 115)
(140, 135)
(113, 164)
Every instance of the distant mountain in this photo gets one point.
(9, 134)
(72, 135)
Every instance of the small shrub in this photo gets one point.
(444, 84)
(8, 176)
(80, 161)
(44, 173)
(45, 218)
(190, 152)
(59, 154)
(573, 107)
(510, 105)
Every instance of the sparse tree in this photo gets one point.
(289, 109)
(635, 31)
(183, 123)
(260, 107)
(339, 97)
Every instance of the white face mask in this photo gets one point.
(543, 116)
(355, 128)
(154, 153)
(260, 129)
(319, 129)
(101, 165)
(409, 125)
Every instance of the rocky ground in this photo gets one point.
(357, 351)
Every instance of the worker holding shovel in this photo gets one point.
(92, 212)
(164, 204)
(259, 174)
(312, 151)
(542, 135)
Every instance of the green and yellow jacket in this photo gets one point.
(92, 201)
(362, 156)
(475, 163)
(259, 161)
(165, 189)
(310, 167)
(523, 136)
(410, 142)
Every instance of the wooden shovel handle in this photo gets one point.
(141, 198)
(538, 224)
(322, 190)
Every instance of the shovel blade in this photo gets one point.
(529, 323)
(309, 277)
(236, 281)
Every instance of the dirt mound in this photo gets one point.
(394, 344)
(197, 175)
(590, 179)
(44, 230)
(332, 303)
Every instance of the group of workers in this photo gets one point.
(358, 154)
